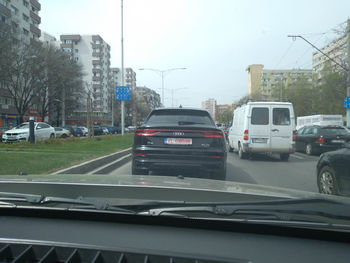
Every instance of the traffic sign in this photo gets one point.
(122, 93)
(347, 102)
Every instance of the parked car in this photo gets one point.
(179, 139)
(42, 131)
(84, 129)
(2, 131)
(131, 128)
(62, 133)
(105, 130)
(79, 131)
(71, 130)
(316, 139)
(225, 130)
(333, 172)
(98, 131)
(263, 127)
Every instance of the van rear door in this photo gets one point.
(281, 128)
(259, 128)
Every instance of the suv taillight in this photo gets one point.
(294, 136)
(320, 140)
(245, 136)
(213, 134)
(146, 132)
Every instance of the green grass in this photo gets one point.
(54, 154)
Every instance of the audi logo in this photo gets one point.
(179, 133)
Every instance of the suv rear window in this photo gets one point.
(334, 131)
(180, 117)
(260, 116)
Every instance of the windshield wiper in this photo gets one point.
(14, 198)
(307, 210)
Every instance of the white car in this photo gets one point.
(62, 133)
(20, 133)
(85, 130)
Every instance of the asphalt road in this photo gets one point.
(298, 173)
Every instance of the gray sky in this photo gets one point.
(215, 39)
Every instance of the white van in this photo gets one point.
(321, 120)
(263, 127)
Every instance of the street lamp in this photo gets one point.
(162, 73)
(172, 95)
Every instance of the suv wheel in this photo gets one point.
(327, 182)
(219, 174)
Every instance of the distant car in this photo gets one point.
(62, 133)
(71, 130)
(20, 133)
(105, 130)
(333, 172)
(316, 139)
(131, 128)
(85, 130)
(225, 130)
(98, 131)
(179, 139)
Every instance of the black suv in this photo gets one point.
(178, 139)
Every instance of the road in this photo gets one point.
(298, 173)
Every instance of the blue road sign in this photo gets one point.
(347, 102)
(122, 93)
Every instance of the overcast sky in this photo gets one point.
(214, 39)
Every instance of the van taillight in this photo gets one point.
(245, 136)
(294, 136)
(320, 140)
(146, 132)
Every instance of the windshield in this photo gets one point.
(247, 98)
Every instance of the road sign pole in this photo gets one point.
(122, 69)
(348, 71)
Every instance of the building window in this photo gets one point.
(25, 32)
(14, 10)
(25, 3)
(3, 18)
(25, 18)
(76, 50)
(4, 2)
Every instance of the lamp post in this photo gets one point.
(63, 111)
(172, 95)
(162, 73)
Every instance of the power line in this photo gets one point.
(285, 53)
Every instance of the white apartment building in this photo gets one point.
(210, 105)
(48, 39)
(93, 53)
(22, 16)
(129, 77)
(335, 50)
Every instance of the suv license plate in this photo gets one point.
(178, 141)
(338, 141)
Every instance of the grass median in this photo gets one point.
(51, 155)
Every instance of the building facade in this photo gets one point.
(48, 39)
(129, 77)
(263, 82)
(210, 105)
(21, 17)
(337, 50)
(93, 53)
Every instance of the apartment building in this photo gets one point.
(93, 53)
(48, 39)
(210, 105)
(23, 17)
(337, 50)
(129, 77)
(264, 82)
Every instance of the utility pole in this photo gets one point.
(122, 69)
(348, 71)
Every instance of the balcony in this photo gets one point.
(99, 46)
(35, 17)
(36, 4)
(97, 54)
(96, 62)
(70, 37)
(67, 46)
(35, 30)
(97, 38)
(97, 78)
(5, 11)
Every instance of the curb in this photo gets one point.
(92, 165)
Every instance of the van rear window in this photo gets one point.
(281, 116)
(260, 116)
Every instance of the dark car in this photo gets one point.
(79, 131)
(98, 131)
(316, 139)
(177, 140)
(225, 131)
(333, 172)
